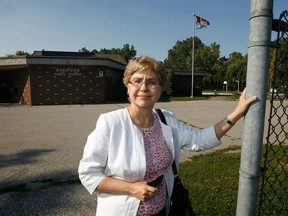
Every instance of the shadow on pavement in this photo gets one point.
(22, 158)
(50, 196)
(28, 187)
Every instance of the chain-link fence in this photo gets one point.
(273, 199)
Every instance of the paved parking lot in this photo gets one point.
(41, 147)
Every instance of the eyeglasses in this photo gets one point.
(149, 83)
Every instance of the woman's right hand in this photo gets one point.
(142, 191)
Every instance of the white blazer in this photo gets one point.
(116, 148)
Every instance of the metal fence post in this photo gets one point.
(261, 16)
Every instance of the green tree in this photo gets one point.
(21, 53)
(127, 51)
(180, 56)
(236, 69)
(84, 50)
(206, 57)
(94, 51)
(214, 80)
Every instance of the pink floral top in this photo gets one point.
(157, 160)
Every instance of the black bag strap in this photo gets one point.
(162, 117)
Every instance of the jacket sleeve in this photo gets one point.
(92, 165)
(190, 138)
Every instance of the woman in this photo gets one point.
(131, 147)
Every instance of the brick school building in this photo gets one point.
(49, 77)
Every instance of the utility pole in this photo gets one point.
(261, 16)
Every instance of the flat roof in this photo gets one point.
(14, 63)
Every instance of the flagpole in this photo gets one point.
(193, 47)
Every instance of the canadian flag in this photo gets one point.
(201, 22)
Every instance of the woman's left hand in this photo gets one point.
(222, 127)
(241, 107)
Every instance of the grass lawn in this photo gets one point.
(212, 180)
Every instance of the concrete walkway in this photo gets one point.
(41, 147)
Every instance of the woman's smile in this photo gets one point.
(144, 96)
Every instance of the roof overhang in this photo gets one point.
(15, 63)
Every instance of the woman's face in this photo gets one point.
(144, 89)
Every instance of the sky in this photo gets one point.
(152, 27)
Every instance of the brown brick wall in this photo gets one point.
(60, 84)
(25, 98)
